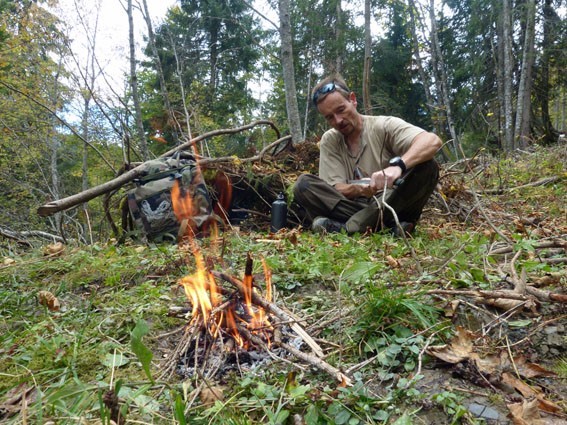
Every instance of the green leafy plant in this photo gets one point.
(143, 353)
(451, 404)
(387, 305)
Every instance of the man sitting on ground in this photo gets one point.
(360, 156)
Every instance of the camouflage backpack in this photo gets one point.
(151, 206)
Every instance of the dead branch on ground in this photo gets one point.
(542, 182)
(21, 237)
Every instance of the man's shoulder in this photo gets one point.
(330, 138)
(383, 120)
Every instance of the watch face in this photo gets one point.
(397, 161)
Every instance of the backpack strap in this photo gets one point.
(135, 210)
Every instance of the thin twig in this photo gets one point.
(399, 227)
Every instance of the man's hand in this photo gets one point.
(355, 190)
(385, 177)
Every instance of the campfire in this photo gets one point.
(232, 320)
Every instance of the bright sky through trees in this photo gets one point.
(110, 20)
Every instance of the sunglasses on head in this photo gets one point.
(327, 88)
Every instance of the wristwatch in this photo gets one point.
(398, 162)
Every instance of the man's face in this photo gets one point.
(340, 113)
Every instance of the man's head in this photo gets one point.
(337, 104)
(333, 83)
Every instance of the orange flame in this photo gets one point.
(182, 205)
(231, 327)
(259, 322)
(201, 289)
(203, 293)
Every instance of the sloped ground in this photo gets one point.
(463, 323)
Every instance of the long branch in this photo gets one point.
(219, 132)
(81, 197)
(20, 237)
(506, 294)
(541, 182)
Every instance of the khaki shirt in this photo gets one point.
(382, 139)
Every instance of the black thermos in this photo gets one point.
(279, 213)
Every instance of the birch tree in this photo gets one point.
(139, 125)
(424, 77)
(367, 58)
(339, 34)
(506, 76)
(157, 61)
(288, 70)
(441, 76)
(523, 110)
(550, 59)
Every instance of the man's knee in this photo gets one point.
(302, 185)
(429, 169)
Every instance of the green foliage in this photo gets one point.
(387, 304)
(561, 367)
(275, 402)
(451, 403)
(213, 56)
(143, 353)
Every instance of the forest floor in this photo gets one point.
(463, 322)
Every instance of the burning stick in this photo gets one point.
(275, 310)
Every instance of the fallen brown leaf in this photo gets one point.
(531, 370)
(392, 262)
(54, 250)
(450, 308)
(525, 413)
(519, 385)
(209, 395)
(460, 348)
(505, 304)
(49, 300)
(16, 399)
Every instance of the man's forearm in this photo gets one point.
(423, 148)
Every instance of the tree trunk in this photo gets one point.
(157, 60)
(140, 136)
(439, 66)
(54, 145)
(507, 76)
(289, 72)
(179, 73)
(85, 165)
(523, 110)
(550, 134)
(367, 59)
(308, 97)
(425, 80)
(214, 55)
(339, 38)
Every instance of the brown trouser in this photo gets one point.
(408, 199)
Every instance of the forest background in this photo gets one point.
(480, 73)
